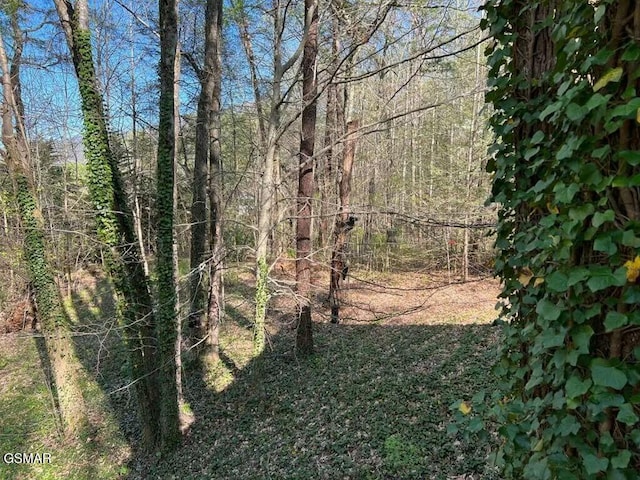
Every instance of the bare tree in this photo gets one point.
(344, 224)
(208, 164)
(304, 338)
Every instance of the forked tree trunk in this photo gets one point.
(208, 164)
(304, 337)
(344, 224)
(65, 366)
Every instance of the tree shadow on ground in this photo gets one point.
(372, 402)
(102, 351)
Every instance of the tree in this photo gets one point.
(563, 87)
(270, 131)
(114, 223)
(304, 338)
(344, 224)
(55, 324)
(167, 328)
(208, 164)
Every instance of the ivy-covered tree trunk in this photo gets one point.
(114, 224)
(65, 366)
(564, 82)
(167, 328)
(304, 337)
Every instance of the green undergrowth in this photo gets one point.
(27, 419)
(29, 424)
(371, 403)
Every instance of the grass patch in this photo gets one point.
(28, 419)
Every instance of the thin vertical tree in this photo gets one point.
(304, 337)
(167, 328)
(344, 223)
(270, 130)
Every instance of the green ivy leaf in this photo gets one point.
(565, 193)
(596, 101)
(613, 75)
(581, 212)
(548, 310)
(627, 415)
(629, 239)
(602, 277)
(593, 464)
(568, 426)
(605, 375)
(576, 387)
(604, 243)
(557, 282)
(602, 217)
(552, 108)
(621, 460)
(632, 157)
(599, 13)
(576, 275)
(537, 137)
(581, 336)
(575, 112)
(615, 320)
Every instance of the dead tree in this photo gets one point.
(344, 224)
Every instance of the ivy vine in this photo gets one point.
(564, 86)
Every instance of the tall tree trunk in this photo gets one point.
(199, 213)
(174, 243)
(65, 366)
(213, 80)
(326, 168)
(262, 243)
(344, 224)
(269, 135)
(304, 337)
(470, 150)
(114, 224)
(166, 315)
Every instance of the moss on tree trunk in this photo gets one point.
(167, 328)
(114, 226)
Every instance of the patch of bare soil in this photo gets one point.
(408, 298)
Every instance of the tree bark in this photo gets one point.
(332, 132)
(344, 224)
(114, 224)
(65, 367)
(304, 337)
(166, 314)
(213, 75)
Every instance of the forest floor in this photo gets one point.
(373, 402)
